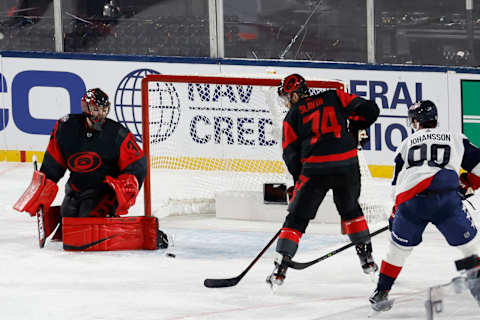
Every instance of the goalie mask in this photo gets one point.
(422, 112)
(95, 105)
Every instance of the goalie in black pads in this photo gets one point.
(320, 151)
(107, 169)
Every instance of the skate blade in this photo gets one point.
(372, 272)
(273, 284)
(380, 307)
(170, 249)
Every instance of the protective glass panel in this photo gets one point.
(316, 30)
(427, 32)
(143, 27)
(26, 25)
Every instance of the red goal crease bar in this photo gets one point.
(237, 80)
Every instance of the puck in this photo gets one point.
(171, 255)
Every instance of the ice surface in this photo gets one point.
(52, 284)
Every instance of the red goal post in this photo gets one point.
(151, 90)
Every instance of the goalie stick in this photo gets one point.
(230, 282)
(40, 217)
(302, 265)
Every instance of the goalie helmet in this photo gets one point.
(95, 105)
(293, 83)
(422, 111)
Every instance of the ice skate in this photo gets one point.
(364, 252)
(473, 283)
(379, 301)
(470, 266)
(162, 240)
(279, 272)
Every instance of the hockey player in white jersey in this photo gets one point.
(426, 184)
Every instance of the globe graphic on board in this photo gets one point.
(164, 106)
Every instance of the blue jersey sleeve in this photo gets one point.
(471, 156)
(398, 167)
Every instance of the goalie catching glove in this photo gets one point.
(126, 189)
(40, 193)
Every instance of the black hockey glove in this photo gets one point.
(360, 136)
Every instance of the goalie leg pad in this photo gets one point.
(109, 234)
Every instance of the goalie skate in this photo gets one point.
(163, 240)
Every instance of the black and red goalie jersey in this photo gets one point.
(91, 155)
(107, 168)
(316, 138)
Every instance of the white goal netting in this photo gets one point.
(216, 134)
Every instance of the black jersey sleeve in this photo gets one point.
(471, 157)
(362, 112)
(53, 164)
(291, 144)
(397, 168)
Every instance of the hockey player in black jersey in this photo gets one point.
(107, 169)
(320, 151)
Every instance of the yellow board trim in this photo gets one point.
(381, 171)
(213, 164)
(205, 164)
(16, 155)
(242, 165)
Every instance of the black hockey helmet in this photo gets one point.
(96, 100)
(293, 83)
(423, 111)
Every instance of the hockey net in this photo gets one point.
(210, 134)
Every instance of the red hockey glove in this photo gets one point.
(126, 189)
(469, 180)
(40, 192)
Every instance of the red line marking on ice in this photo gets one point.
(16, 166)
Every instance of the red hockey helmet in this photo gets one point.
(293, 83)
(95, 105)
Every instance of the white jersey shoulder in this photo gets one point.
(426, 152)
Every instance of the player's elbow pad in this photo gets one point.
(367, 113)
(40, 193)
(126, 189)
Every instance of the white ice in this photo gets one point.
(52, 284)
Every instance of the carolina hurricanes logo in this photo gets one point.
(290, 84)
(84, 162)
(132, 146)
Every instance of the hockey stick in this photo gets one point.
(230, 282)
(302, 265)
(40, 225)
